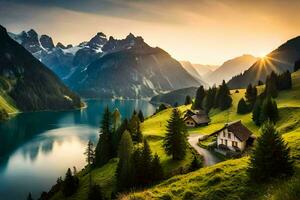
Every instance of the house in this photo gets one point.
(234, 136)
(196, 118)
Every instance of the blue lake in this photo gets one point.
(36, 148)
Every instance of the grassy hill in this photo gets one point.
(228, 179)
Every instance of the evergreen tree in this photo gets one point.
(256, 112)
(89, 153)
(124, 171)
(161, 107)
(195, 164)
(188, 100)
(134, 129)
(210, 99)
(104, 149)
(223, 99)
(271, 85)
(137, 166)
(200, 94)
(260, 83)
(269, 111)
(284, 81)
(251, 94)
(242, 107)
(175, 140)
(156, 170)
(146, 159)
(271, 156)
(95, 193)
(117, 136)
(297, 65)
(70, 184)
(29, 197)
(141, 116)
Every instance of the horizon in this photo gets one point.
(189, 32)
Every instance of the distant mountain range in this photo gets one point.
(110, 68)
(27, 83)
(279, 60)
(230, 68)
(200, 69)
(175, 96)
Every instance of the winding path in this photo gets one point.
(209, 157)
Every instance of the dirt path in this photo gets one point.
(209, 157)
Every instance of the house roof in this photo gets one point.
(238, 129)
(198, 119)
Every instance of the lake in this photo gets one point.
(36, 148)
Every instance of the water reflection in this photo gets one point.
(36, 148)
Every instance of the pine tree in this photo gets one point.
(200, 94)
(161, 107)
(134, 129)
(271, 156)
(195, 164)
(209, 99)
(175, 140)
(256, 112)
(269, 111)
(242, 107)
(223, 99)
(271, 85)
(70, 184)
(297, 65)
(104, 148)
(137, 168)
(124, 171)
(90, 153)
(146, 159)
(251, 94)
(117, 136)
(260, 83)
(29, 197)
(141, 116)
(188, 100)
(95, 193)
(156, 170)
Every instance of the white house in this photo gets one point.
(234, 136)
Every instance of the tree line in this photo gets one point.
(263, 106)
(214, 97)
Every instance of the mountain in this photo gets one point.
(200, 69)
(190, 68)
(91, 68)
(61, 59)
(230, 68)
(175, 96)
(130, 68)
(279, 60)
(26, 82)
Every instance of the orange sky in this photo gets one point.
(203, 31)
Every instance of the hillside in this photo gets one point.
(26, 84)
(230, 68)
(228, 180)
(175, 96)
(192, 70)
(281, 59)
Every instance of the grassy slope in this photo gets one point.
(153, 128)
(228, 180)
(7, 104)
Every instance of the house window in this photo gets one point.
(234, 144)
(187, 123)
(226, 142)
(223, 133)
(229, 135)
(221, 141)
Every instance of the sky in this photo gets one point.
(200, 31)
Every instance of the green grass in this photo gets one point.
(7, 104)
(104, 176)
(228, 179)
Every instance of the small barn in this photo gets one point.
(196, 118)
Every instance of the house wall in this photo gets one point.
(240, 145)
(189, 123)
